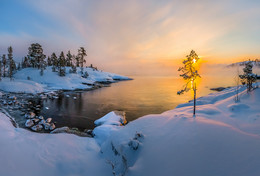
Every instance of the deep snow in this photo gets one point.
(223, 139)
(28, 80)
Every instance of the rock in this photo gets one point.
(29, 115)
(41, 117)
(52, 127)
(37, 127)
(29, 123)
(61, 130)
(48, 120)
(36, 120)
(42, 122)
(47, 126)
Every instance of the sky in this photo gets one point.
(134, 37)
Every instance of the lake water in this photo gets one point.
(138, 97)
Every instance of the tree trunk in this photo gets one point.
(194, 100)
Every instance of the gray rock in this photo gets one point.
(52, 127)
(37, 127)
(29, 123)
(48, 120)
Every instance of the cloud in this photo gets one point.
(152, 36)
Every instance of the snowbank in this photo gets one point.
(21, 86)
(223, 139)
(25, 153)
(28, 80)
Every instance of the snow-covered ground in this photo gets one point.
(223, 139)
(28, 80)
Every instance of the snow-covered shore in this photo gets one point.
(28, 80)
(223, 139)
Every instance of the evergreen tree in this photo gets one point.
(68, 59)
(11, 62)
(4, 62)
(190, 75)
(54, 61)
(61, 64)
(35, 55)
(81, 54)
(248, 77)
(0, 70)
(25, 62)
(49, 61)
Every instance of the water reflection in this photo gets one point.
(139, 97)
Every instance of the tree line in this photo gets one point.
(37, 59)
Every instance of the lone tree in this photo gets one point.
(190, 75)
(248, 77)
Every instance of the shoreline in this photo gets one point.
(17, 110)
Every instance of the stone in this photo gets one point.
(36, 120)
(48, 120)
(42, 122)
(29, 123)
(47, 126)
(52, 127)
(41, 117)
(61, 130)
(37, 127)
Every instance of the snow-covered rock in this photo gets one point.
(116, 118)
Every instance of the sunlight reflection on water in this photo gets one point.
(139, 97)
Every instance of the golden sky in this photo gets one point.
(135, 37)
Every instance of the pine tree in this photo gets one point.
(0, 70)
(49, 61)
(61, 64)
(54, 61)
(248, 77)
(68, 59)
(25, 62)
(11, 62)
(35, 55)
(4, 62)
(81, 54)
(190, 75)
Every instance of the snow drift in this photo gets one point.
(223, 139)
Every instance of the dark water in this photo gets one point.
(138, 97)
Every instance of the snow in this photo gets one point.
(28, 80)
(25, 153)
(223, 139)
